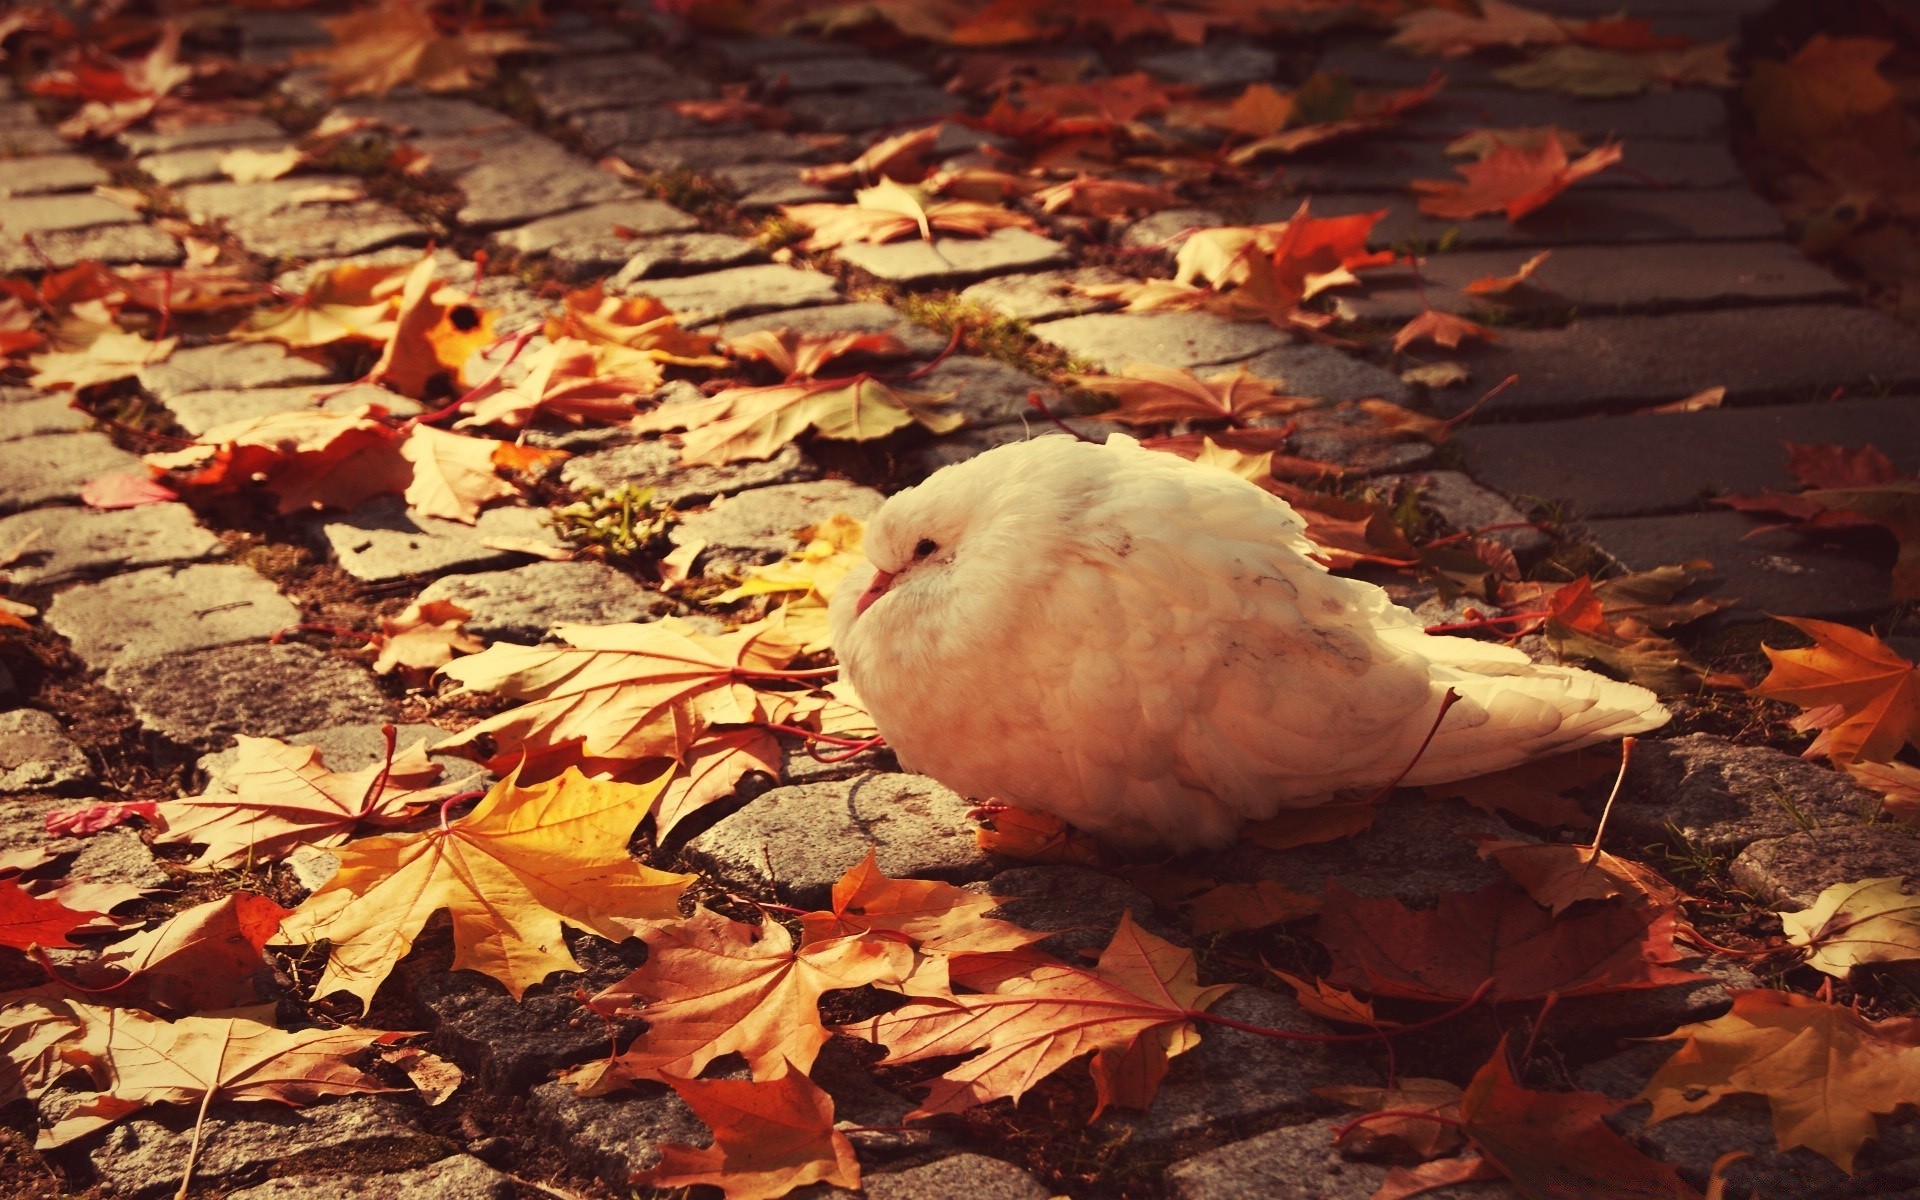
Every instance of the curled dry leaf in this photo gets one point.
(710, 771)
(1858, 924)
(398, 43)
(424, 638)
(1442, 329)
(1512, 180)
(1497, 285)
(92, 818)
(744, 423)
(1452, 33)
(114, 354)
(524, 863)
(888, 211)
(570, 380)
(27, 920)
(1155, 395)
(1898, 785)
(641, 323)
(904, 157)
(124, 489)
(770, 1136)
(803, 355)
(1597, 73)
(206, 957)
(1558, 875)
(1862, 697)
(1405, 1133)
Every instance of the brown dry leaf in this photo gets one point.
(398, 43)
(526, 862)
(1259, 111)
(424, 638)
(27, 920)
(640, 323)
(1323, 1000)
(1037, 837)
(1862, 697)
(1482, 142)
(134, 1060)
(712, 986)
(1559, 875)
(574, 381)
(1438, 375)
(114, 354)
(1311, 826)
(889, 211)
(904, 157)
(436, 330)
(1442, 329)
(119, 94)
(454, 476)
(803, 355)
(770, 1136)
(1236, 907)
(711, 769)
(754, 422)
(1453, 33)
(206, 957)
(1090, 196)
(1404, 1134)
(284, 797)
(1596, 73)
(1156, 395)
(1856, 924)
(1512, 180)
(245, 165)
(1132, 1011)
(306, 458)
(1898, 785)
(433, 1077)
(350, 301)
(618, 692)
(1825, 1070)
(1829, 84)
(1495, 285)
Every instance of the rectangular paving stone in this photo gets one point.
(168, 610)
(425, 116)
(951, 260)
(1310, 369)
(1695, 114)
(24, 414)
(1776, 572)
(641, 216)
(611, 81)
(769, 185)
(102, 243)
(857, 112)
(1790, 351)
(381, 540)
(1601, 277)
(197, 412)
(1581, 215)
(52, 468)
(860, 317)
(835, 74)
(1217, 65)
(219, 133)
(198, 164)
(26, 139)
(1110, 341)
(741, 291)
(39, 215)
(291, 218)
(606, 127)
(1381, 164)
(203, 697)
(44, 173)
(1669, 462)
(71, 543)
(1043, 295)
(655, 257)
(230, 365)
(748, 51)
(703, 152)
(530, 181)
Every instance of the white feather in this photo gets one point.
(1143, 647)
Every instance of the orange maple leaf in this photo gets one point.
(1862, 697)
(1512, 179)
(1442, 329)
(770, 1136)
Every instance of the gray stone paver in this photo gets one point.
(204, 697)
(112, 244)
(1369, 165)
(856, 112)
(36, 754)
(946, 261)
(835, 74)
(461, 1177)
(381, 540)
(1310, 369)
(740, 291)
(54, 467)
(198, 164)
(1792, 871)
(1221, 64)
(236, 132)
(297, 217)
(655, 464)
(757, 525)
(1042, 295)
(32, 414)
(166, 610)
(703, 152)
(1688, 114)
(198, 412)
(525, 603)
(641, 216)
(51, 173)
(611, 81)
(228, 365)
(769, 185)
(1297, 1162)
(39, 215)
(649, 258)
(527, 181)
(860, 317)
(69, 543)
(1180, 339)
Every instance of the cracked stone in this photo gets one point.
(197, 412)
(524, 604)
(769, 185)
(1310, 369)
(1705, 794)
(861, 317)
(199, 164)
(740, 291)
(37, 215)
(1792, 871)
(525, 181)
(918, 263)
(461, 1177)
(758, 526)
(166, 610)
(25, 414)
(639, 215)
(1180, 339)
(799, 840)
(656, 465)
(381, 540)
(612, 1138)
(72, 543)
(1215, 65)
(204, 697)
(225, 365)
(51, 173)
(52, 468)
(140, 142)
(646, 258)
(37, 755)
(281, 218)
(1298, 1162)
(858, 112)
(111, 244)
(704, 152)
(1043, 295)
(142, 1155)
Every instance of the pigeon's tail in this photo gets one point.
(1502, 720)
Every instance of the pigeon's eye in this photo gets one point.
(924, 547)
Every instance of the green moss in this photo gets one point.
(622, 522)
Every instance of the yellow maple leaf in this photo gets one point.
(115, 354)
(397, 42)
(525, 862)
(754, 422)
(1851, 924)
(453, 475)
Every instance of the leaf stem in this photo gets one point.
(372, 795)
(450, 801)
(1418, 1114)
(1034, 400)
(1446, 702)
(519, 342)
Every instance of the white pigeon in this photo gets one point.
(1144, 647)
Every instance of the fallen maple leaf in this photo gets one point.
(424, 638)
(27, 920)
(1406, 1131)
(206, 957)
(640, 323)
(1452, 34)
(306, 458)
(524, 863)
(709, 772)
(134, 1060)
(770, 1136)
(118, 93)
(1442, 329)
(1598, 73)
(904, 157)
(436, 330)
(397, 43)
(889, 211)
(284, 797)
(1498, 933)
(1862, 697)
(349, 301)
(92, 818)
(713, 986)
(1156, 395)
(1857, 924)
(1310, 826)
(743, 423)
(1133, 1011)
(1496, 285)
(802, 355)
(1512, 180)
(124, 489)
(1829, 83)
(114, 354)
(1037, 837)
(1898, 785)
(1824, 1069)
(454, 476)
(618, 692)
(1090, 196)
(574, 381)
(1236, 907)
(1558, 875)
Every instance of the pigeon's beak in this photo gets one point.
(882, 580)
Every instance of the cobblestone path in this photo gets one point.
(1666, 279)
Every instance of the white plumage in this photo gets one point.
(1143, 647)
